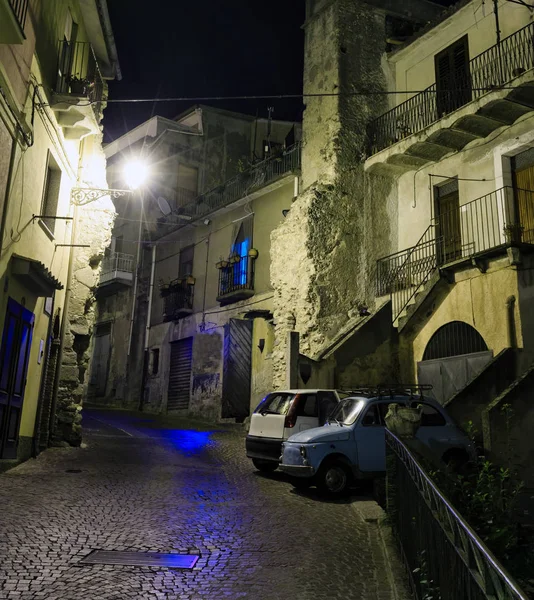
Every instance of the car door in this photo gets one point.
(434, 431)
(307, 412)
(370, 438)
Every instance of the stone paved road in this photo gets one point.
(139, 486)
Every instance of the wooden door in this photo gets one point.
(453, 81)
(14, 357)
(179, 392)
(524, 193)
(449, 227)
(237, 370)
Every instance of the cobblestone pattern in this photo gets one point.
(177, 491)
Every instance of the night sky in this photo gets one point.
(170, 48)
(204, 48)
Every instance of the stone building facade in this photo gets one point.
(186, 326)
(406, 256)
(51, 144)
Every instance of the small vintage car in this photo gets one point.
(351, 445)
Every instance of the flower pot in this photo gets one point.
(235, 258)
(402, 421)
(190, 280)
(222, 264)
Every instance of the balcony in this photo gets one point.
(437, 111)
(79, 90)
(116, 273)
(236, 280)
(12, 21)
(477, 231)
(177, 298)
(244, 185)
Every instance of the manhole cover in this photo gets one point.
(141, 559)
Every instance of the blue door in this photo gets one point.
(14, 357)
(370, 439)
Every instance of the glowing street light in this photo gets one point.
(135, 173)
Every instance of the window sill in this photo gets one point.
(45, 228)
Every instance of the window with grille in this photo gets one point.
(454, 339)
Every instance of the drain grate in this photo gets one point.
(141, 559)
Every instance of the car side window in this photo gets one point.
(371, 417)
(307, 406)
(431, 416)
(383, 408)
(326, 401)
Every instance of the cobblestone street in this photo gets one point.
(138, 486)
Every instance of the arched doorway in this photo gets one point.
(454, 355)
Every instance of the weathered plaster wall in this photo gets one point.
(323, 255)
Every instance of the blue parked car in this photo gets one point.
(351, 445)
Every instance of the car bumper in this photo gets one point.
(263, 448)
(298, 470)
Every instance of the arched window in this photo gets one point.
(454, 339)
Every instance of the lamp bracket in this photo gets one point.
(83, 196)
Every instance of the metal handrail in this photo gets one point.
(20, 10)
(243, 184)
(117, 261)
(487, 71)
(489, 574)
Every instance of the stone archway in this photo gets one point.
(454, 355)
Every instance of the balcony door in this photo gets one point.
(523, 167)
(14, 357)
(449, 232)
(453, 81)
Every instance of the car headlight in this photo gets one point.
(303, 451)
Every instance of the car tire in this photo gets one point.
(265, 466)
(333, 478)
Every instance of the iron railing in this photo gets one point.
(79, 73)
(236, 276)
(489, 70)
(244, 183)
(115, 263)
(20, 10)
(177, 299)
(503, 217)
(445, 558)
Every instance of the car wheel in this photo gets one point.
(333, 478)
(265, 466)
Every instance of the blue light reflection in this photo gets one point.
(186, 441)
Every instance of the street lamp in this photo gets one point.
(135, 173)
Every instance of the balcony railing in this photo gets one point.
(244, 183)
(79, 73)
(117, 266)
(236, 281)
(444, 556)
(177, 299)
(499, 219)
(489, 70)
(20, 10)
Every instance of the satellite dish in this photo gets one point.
(164, 206)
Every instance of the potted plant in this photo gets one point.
(513, 232)
(222, 264)
(190, 280)
(79, 86)
(234, 257)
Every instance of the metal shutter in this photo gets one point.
(180, 375)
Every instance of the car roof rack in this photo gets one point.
(400, 389)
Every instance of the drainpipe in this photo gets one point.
(510, 321)
(136, 279)
(8, 190)
(147, 328)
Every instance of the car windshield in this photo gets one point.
(346, 411)
(275, 404)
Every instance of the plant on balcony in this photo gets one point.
(80, 86)
(222, 264)
(164, 289)
(234, 258)
(190, 280)
(513, 232)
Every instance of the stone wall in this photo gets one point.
(324, 254)
(93, 229)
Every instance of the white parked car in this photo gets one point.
(282, 414)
